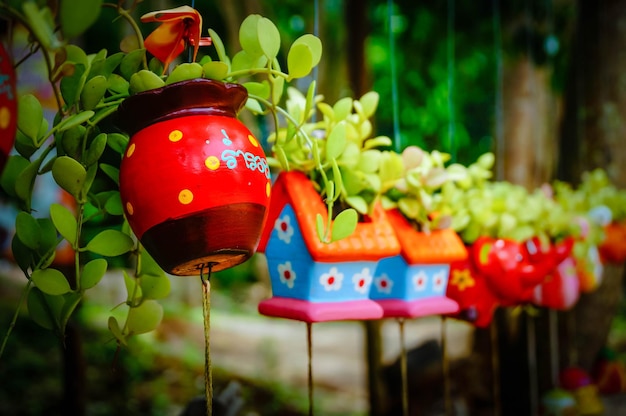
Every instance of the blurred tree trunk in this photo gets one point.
(594, 136)
(526, 149)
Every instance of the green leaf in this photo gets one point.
(40, 311)
(344, 224)
(184, 72)
(50, 281)
(277, 92)
(70, 302)
(131, 63)
(215, 70)
(15, 165)
(244, 61)
(25, 183)
(23, 255)
(110, 243)
(154, 287)
(219, 46)
(118, 142)
(319, 227)
(96, 149)
(72, 140)
(41, 23)
(144, 318)
(111, 171)
(149, 265)
(69, 175)
(314, 44)
(369, 103)
(93, 273)
(71, 86)
(24, 146)
(377, 142)
(358, 203)
(269, 37)
(93, 92)
(299, 61)
(249, 36)
(27, 230)
(112, 62)
(336, 141)
(369, 161)
(113, 204)
(74, 120)
(91, 176)
(145, 80)
(133, 289)
(65, 222)
(76, 16)
(29, 117)
(343, 108)
(48, 238)
(253, 106)
(114, 327)
(117, 84)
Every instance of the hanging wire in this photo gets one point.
(403, 369)
(532, 363)
(309, 343)
(394, 78)
(206, 309)
(450, 52)
(309, 325)
(499, 84)
(445, 362)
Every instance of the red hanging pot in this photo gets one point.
(194, 181)
(511, 268)
(8, 106)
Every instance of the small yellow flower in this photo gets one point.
(462, 279)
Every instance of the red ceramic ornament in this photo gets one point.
(613, 248)
(194, 181)
(512, 269)
(561, 289)
(477, 303)
(8, 106)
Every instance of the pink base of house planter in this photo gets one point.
(302, 310)
(395, 308)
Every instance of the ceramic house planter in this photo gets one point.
(194, 181)
(8, 106)
(413, 283)
(314, 281)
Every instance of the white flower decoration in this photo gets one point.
(383, 284)
(362, 281)
(287, 275)
(439, 282)
(284, 229)
(331, 280)
(420, 281)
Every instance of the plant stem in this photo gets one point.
(15, 315)
(126, 15)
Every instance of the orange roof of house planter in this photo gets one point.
(372, 240)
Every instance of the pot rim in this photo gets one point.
(198, 96)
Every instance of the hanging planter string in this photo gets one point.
(499, 133)
(206, 309)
